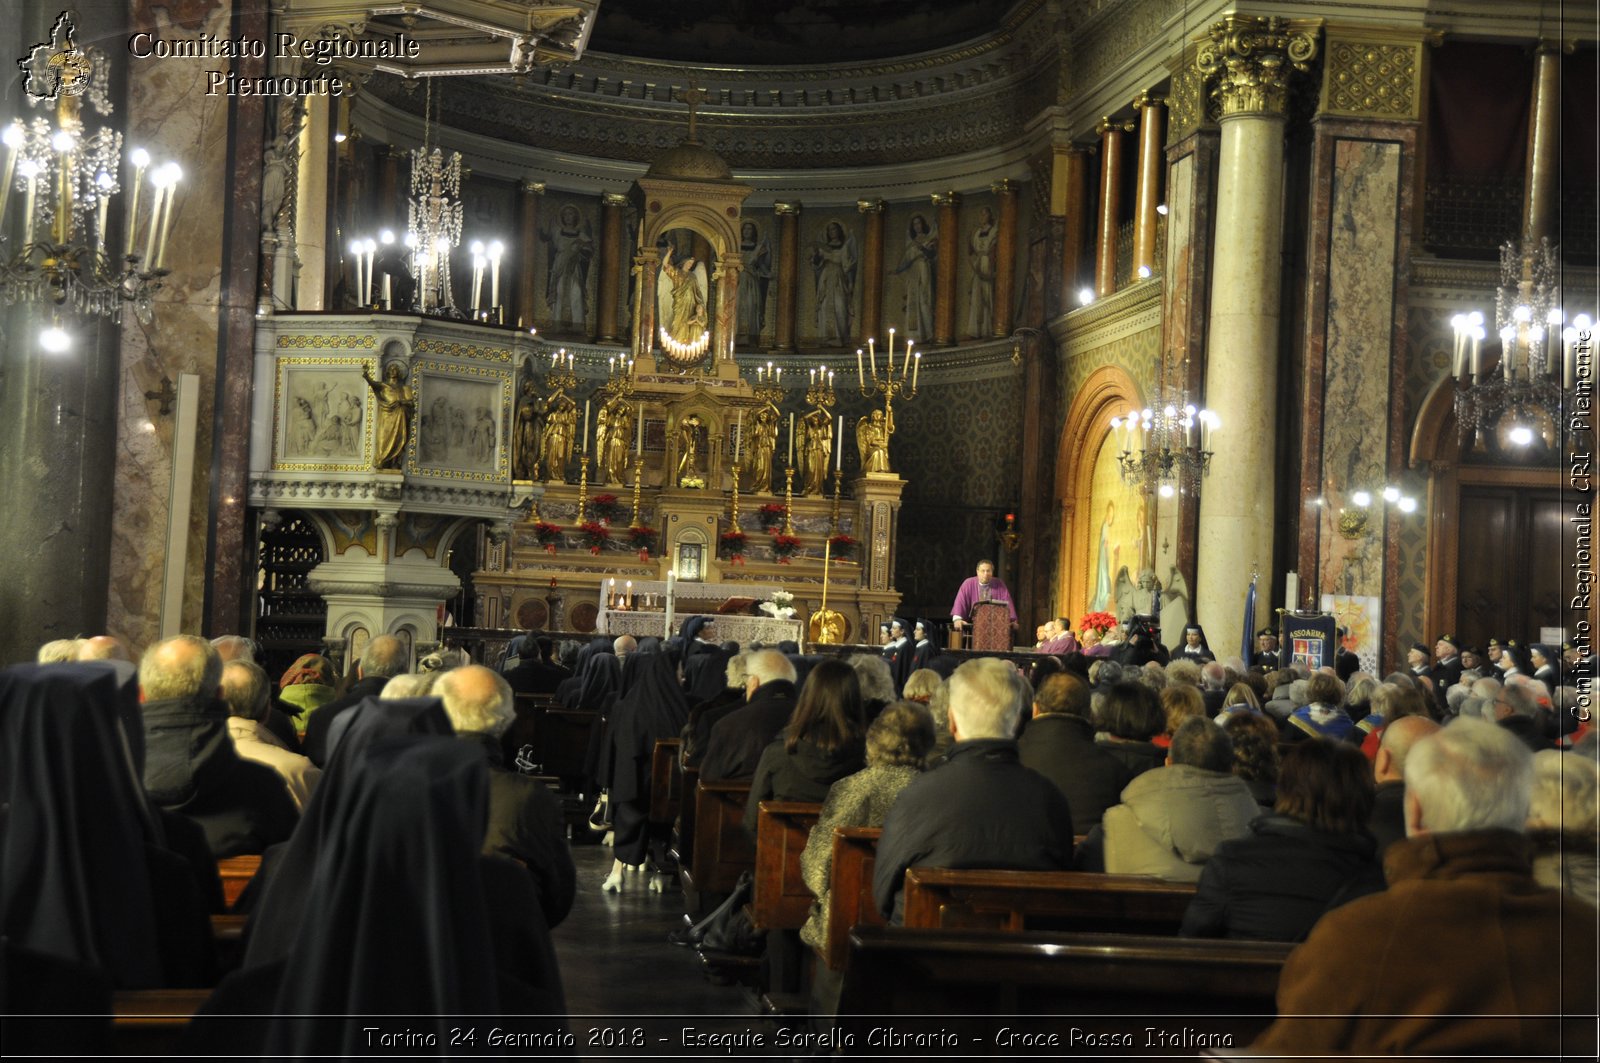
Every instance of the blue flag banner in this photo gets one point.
(1247, 641)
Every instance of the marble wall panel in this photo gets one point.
(1359, 341)
(829, 307)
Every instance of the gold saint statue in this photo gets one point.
(815, 449)
(525, 463)
(395, 401)
(613, 435)
(688, 320)
(555, 442)
(872, 438)
(688, 439)
(757, 459)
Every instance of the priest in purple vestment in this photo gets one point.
(984, 587)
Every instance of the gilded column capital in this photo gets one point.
(946, 199)
(1148, 99)
(614, 199)
(1251, 57)
(1108, 125)
(786, 208)
(1004, 186)
(870, 206)
(533, 187)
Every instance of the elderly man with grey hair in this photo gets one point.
(247, 692)
(385, 657)
(1464, 953)
(734, 744)
(980, 807)
(525, 819)
(190, 766)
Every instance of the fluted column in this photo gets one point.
(528, 194)
(1074, 163)
(1005, 264)
(788, 272)
(1250, 60)
(1105, 245)
(613, 259)
(1544, 143)
(871, 268)
(1151, 112)
(944, 286)
(311, 206)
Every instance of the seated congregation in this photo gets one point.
(1397, 873)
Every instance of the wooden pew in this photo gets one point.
(683, 840)
(227, 934)
(722, 850)
(850, 904)
(149, 1022)
(951, 899)
(561, 743)
(666, 782)
(236, 873)
(781, 900)
(524, 729)
(975, 982)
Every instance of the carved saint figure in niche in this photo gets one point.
(560, 427)
(688, 447)
(1106, 558)
(980, 286)
(302, 426)
(525, 441)
(613, 435)
(833, 265)
(395, 403)
(686, 320)
(872, 439)
(570, 251)
(816, 447)
(482, 437)
(758, 449)
(916, 264)
(753, 281)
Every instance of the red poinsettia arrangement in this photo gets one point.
(784, 547)
(547, 534)
(1100, 622)
(730, 546)
(770, 515)
(643, 539)
(606, 508)
(595, 535)
(842, 547)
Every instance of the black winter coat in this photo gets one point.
(1277, 881)
(1062, 749)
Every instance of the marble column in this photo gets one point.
(1150, 110)
(944, 287)
(788, 273)
(1038, 478)
(1251, 60)
(1540, 202)
(528, 193)
(646, 268)
(1073, 163)
(871, 268)
(1005, 265)
(1105, 245)
(725, 282)
(311, 206)
(613, 257)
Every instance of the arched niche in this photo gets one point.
(706, 205)
(1108, 392)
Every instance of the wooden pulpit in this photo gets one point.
(991, 627)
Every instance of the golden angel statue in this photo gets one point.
(613, 436)
(872, 439)
(758, 450)
(816, 446)
(560, 428)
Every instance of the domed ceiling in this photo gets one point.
(756, 32)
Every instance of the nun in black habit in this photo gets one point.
(1194, 646)
(654, 708)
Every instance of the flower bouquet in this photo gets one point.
(548, 535)
(606, 508)
(770, 515)
(784, 546)
(643, 539)
(595, 535)
(781, 605)
(842, 547)
(730, 546)
(1100, 622)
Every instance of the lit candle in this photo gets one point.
(174, 173)
(813, 371)
(872, 355)
(638, 436)
(140, 159)
(30, 170)
(738, 436)
(860, 375)
(496, 249)
(156, 179)
(916, 370)
(838, 460)
(585, 440)
(477, 274)
(372, 250)
(103, 186)
(1508, 346)
(791, 438)
(891, 354)
(388, 292)
(906, 361)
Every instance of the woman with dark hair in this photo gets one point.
(653, 708)
(1129, 716)
(1309, 856)
(1255, 752)
(821, 745)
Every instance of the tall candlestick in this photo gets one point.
(638, 435)
(155, 215)
(583, 442)
(372, 250)
(788, 497)
(638, 468)
(861, 377)
(141, 159)
(477, 276)
(738, 438)
(838, 461)
(496, 249)
(916, 371)
(791, 438)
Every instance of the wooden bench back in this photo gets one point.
(850, 903)
(236, 873)
(951, 899)
(666, 781)
(722, 850)
(781, 900)
(1221, 986)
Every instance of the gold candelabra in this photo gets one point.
(561, 376)
(620, 379)
(583, 486)
(894, 381)
(820, 391)
(788, 498)
(638, 470)
(733, 515)
(769, 384)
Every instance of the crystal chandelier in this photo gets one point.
(1167, 448)
(67, 177)
(433, 220)
(1523, 395)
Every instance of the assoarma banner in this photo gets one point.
(1309, 640)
